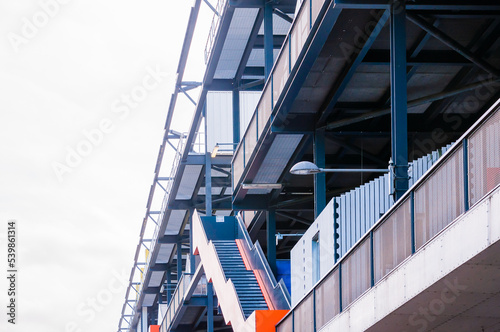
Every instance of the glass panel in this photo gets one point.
(238, 165)
(280, 74)
(300, 32)
(356, 273)
(316, 7)
(286, 325)
(303, 316)
(327, 299)
(440, 199)
(250, 138)
(392, 241)
(265, 108)
(484, 159)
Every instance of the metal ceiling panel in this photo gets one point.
(236, 42)
(175, 222)
(149, 300)
(275, 161)
(156, 279)
(164, 253)
(188, 182)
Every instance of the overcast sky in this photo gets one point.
(85, 86)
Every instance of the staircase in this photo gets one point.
(250, 298)
(245, 283)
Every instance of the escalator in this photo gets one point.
(248, 294)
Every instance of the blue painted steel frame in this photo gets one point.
(319, 178)
(399, 122)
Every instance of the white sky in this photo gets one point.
(77, 237)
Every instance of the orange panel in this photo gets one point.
(266, 320)
(243, 255)
(154, 328)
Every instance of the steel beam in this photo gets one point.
(399, 113)
(451, 43)
(349, 70)
(319, 178)
(271, 238)
(268, 38)
(210, 307)
(236, 116)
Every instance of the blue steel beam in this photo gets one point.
(268, 39)
(399, 113)
(248, 48)
(349, 70)
(271, 239)
(236, 116)
(454, 45)
(210, 307)
(319, 178)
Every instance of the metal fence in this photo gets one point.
(466, 173)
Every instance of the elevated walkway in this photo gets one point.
(250, 298)
(431, 262)
(450, 285)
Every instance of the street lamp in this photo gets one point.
(307, 168)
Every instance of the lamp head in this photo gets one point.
(305, 168)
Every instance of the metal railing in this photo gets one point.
(466, 172)
(277, 290)
(213, 28)
(144, 270)
(176, 301)
(288, 58)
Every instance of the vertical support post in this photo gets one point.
(412, 219)
(399, 121)
(179, 260)
(236, 116)
(210, 307)
(208, 170)
(466, 173)
(319, 178)
(268, 38)
(271, 239)
(208, 185)
(169, 285)
(192, 258)
(144, 319)
(372, 265)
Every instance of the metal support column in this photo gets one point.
(319, 178)
(399, 125)
(210, 307)
(169, 285)
(236, 116)
(179, 260)
(271, 239)
(268, 38)
(208, 184)
(208, 170)
(192, 257)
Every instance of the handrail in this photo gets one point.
(163, 209)
(302, 14)
(229, 303)
(278, 291)
(176, 300)
(407, 198)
